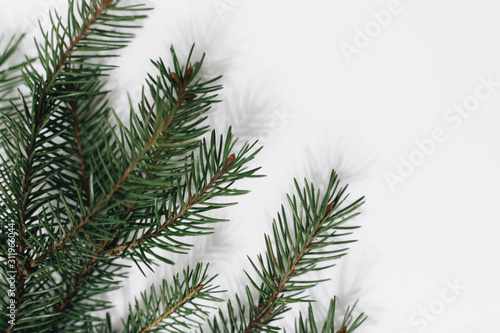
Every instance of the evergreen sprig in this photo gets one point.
(307, 241)
(174, 307)
(80, 189)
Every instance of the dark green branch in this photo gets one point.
(103, 203)
(196, 199)
(173, 308)
(263, 316)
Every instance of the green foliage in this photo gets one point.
(175, 307)
(80, 189)
(307, 241)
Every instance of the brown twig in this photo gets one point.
(72, 290)
(76, 126)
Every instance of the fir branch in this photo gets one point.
(32, 165)
(108, 248)
(76, 39)
(299, 246)
(9, 49)
(61, 60)
(174, 307)
(73, 81)
(208, 176)
(116, 251)
(103, 203)
(263, 316)
(24, 161)
(25, 204)
(62, 45)
(195, 200)
(236, 164)
(89, 22)
(71, 291)
(9, 79)
(68, 72)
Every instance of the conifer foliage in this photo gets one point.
(80, 189)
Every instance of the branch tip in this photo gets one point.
(230, 160)
(189, 72)
(175, 78)
(190, 97)
(329, 209)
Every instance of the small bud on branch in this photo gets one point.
(329, 209)
(190, 97)
(229, 160)
(175, 78)
(189, 73)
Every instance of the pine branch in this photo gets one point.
(91, 17)
(233, 163)
(30, 134)
(9, 79)
(303, 245)
(174, 307)
(116, 251)
(189, 99)
(195, 200)
(263, 316)
(104, 202)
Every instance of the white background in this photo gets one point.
(289, 84)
